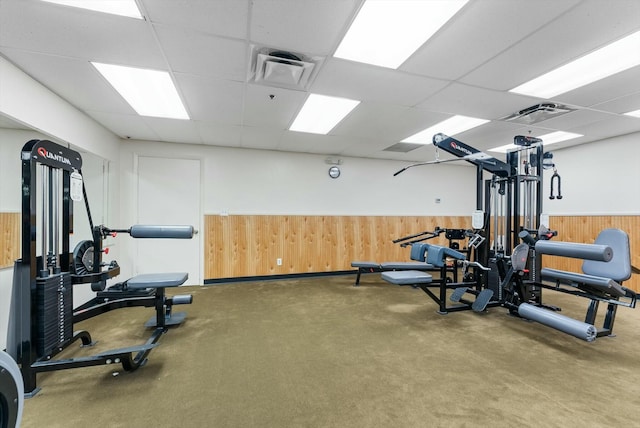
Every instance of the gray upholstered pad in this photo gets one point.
(407, 265)
(406, 277)
(365, 264)
(157, 280)
(603, 284)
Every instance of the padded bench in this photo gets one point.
(370, 267)
(159, 281)
(407, 277)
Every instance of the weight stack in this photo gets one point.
(54, 312)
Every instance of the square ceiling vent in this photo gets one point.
(538, 113)
(284, 69)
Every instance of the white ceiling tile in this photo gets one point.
(590, 25)
(621, 105)
(125, 126)
(211, 99)
(223, 18)
(202, 54)
(466, 68)
(303, 26)
(610, 88)
(219, 134)
(481, 30)
(66, 75)
(363, 82)
(46, 28)
(574, 119)
(261, 137)
(476, 102)
(374, 120)
(174, 130)
(277, 112)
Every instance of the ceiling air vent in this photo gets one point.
(402, 147)
(281, 68)
(538, 113)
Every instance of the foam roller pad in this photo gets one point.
(171, 232)
(565, 324)
(601, 253)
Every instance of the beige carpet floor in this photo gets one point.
(322, 353)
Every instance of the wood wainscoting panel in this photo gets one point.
(250, 245)
(10, 238)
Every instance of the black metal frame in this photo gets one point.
(32, 272)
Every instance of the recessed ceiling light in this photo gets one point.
(116, 7)
(635, 113)
(452, 126)
(320, 113)
(613, 58)
(149, 92)
(387, 32)
(547, 140)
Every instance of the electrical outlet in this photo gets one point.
(279, 262)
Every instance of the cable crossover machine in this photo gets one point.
(42, 317)
(510, 237)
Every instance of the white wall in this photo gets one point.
(600, 178)
(243, 181)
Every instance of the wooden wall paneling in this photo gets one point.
(9, 238)
(237, 245)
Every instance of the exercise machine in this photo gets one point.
(11, 392)
(42, 318)
(509, 273)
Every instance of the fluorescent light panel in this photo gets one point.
(387, 32)
(452, 126)
(547, 140)
(149, 92)
(635, 113)
(612, 59)
(320, 113)
(116, 7)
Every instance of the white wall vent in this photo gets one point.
(274, 67)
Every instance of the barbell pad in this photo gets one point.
(597, 252)
(182, 299)
(153, 231)
(563, 323)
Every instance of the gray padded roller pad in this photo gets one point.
(157, 280)
(602, 253)
(406, 277)
(171, 232)
(606, 285)
(565, 324)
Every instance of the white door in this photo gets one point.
(169, 194)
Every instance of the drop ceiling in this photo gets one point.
(209, 46)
